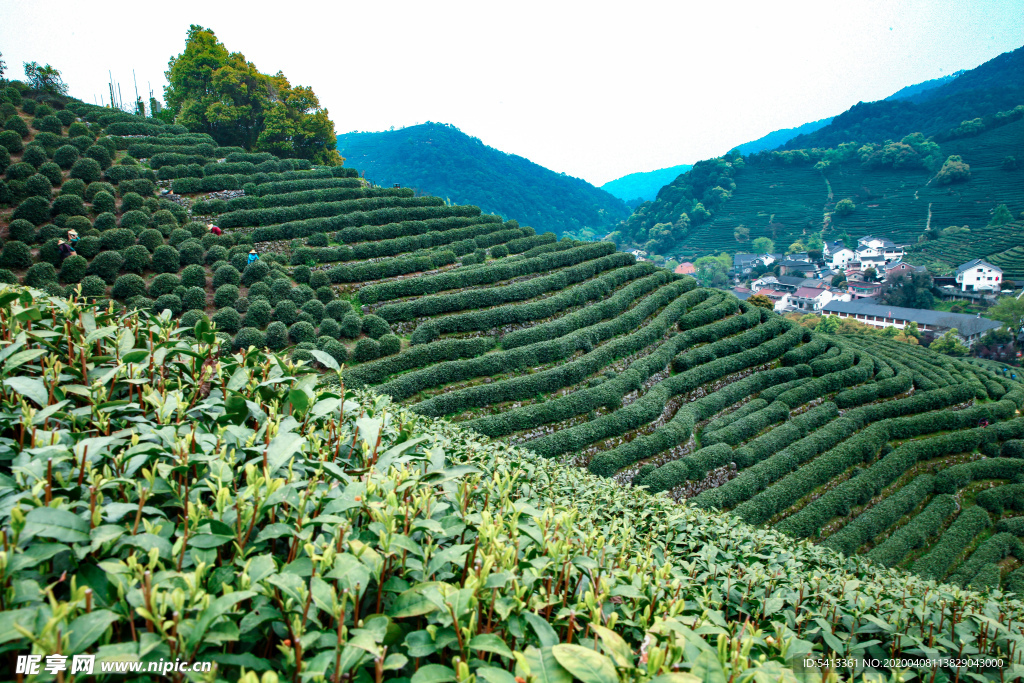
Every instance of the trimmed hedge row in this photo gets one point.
(227, 181)
(504, 269)
(139, 128)
(609, 393)
(400, 245)
(755, 482)
(815, 348)
(302, 184)
(714, 307)
(783, 494)
(677, 472)
(897, 384)
(952, 479)
(542, 352)
(180, 171)
(387, 231)
(993, 549)
(707, 459)
(391, 267)
(587, 291)
(820, 386)
(858, 490)
(532, 246)
(371, 374)
(952, 543)
(724, 421)
(243, 218)
(325, 195)
(914, 533)
(186, 140)
(321, 196)
(835, 363)
(772, 393)
(873, 521)
(749, 426)
(920, 402)
(778, 438)
(1014, 525)
(1002, 498)
(765, 344)
(497, 296)
(391, 214)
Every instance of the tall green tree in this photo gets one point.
(45, 78)
(910, 290)
(1001, 216)
(762, 245)
(950, 344)
(211, 90)
(1009, 310)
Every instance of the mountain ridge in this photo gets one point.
(439, 159)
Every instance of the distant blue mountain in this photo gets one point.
(644, 184)
(912, 91)
(778, 138)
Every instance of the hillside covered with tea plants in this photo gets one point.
(235, 506)
(570, 348)
(163, 499)
(911, 167)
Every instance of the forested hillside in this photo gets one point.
(912, 189)
(439, 159)
(997, 85)
(643, 185)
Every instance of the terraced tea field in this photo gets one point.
(571, 349)
(787, 202)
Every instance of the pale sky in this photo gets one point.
(592, 89)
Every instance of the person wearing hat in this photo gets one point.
(72, 237)
(214, 229)
(65, 249)
(253, 256)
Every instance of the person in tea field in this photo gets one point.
(72, 237)
(65, 248)
(253, 256)
(214, 229)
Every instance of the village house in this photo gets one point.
(742, 264)
(902, 268)
(779, 298)
(810, 299)
(979, 275)
(802, 268)
(969, 327)
(685, 268)
(874, 252)
(841, 258)
(859, 289)
(763, 281)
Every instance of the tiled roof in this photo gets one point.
(966, 325)
(978, 262)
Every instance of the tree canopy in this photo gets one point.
(45, 78)
(911, 290)
(211, 90)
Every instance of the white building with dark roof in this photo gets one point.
(970, 327)
(979, 275)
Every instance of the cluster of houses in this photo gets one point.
(804, 285)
